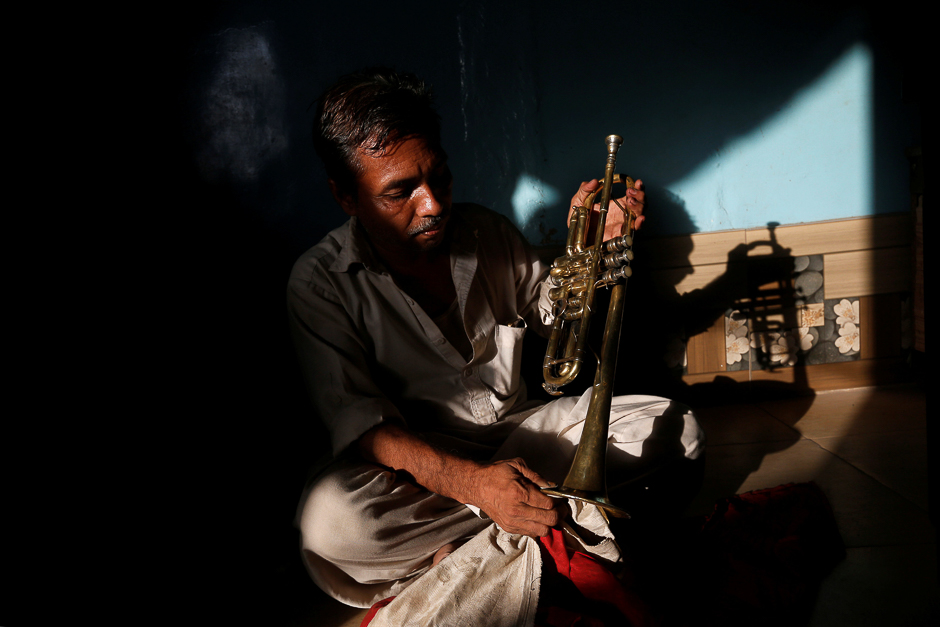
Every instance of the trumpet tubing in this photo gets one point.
(576, 276)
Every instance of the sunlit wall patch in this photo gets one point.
(530, 196)
(811, 161)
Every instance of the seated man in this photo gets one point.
(408, 321)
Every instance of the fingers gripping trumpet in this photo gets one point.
(576, 276)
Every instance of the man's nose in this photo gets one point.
(430, 202)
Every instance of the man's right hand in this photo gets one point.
(508, 491)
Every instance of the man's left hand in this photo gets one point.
(634, 201)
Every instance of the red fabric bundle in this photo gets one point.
(597, 598)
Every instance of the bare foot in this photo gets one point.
(444, 551)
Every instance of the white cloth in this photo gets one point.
(494, 579)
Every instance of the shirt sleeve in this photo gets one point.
(335, 365)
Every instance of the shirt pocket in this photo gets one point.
(502, 372)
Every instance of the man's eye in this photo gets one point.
(397, 194)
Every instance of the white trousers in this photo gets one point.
(366, 534)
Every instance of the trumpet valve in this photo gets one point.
(624, 242)
(615, 260)
(615, 274)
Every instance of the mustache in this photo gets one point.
(426, 224)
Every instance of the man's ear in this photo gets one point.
(345, 200)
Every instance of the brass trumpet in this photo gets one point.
(576, 277)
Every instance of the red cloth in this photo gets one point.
(372, 611)
(595, 583)
(768, 550)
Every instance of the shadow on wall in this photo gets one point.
(762, 299)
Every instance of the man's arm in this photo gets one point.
(508, 491)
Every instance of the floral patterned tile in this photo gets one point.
(813, 315)
(737, 341)
(828, 330)
(780, 349)
(839, 336)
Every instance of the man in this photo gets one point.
(408, 321)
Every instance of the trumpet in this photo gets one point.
(576, 276)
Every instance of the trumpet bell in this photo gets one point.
(598, 498)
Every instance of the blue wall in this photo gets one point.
(734, 115)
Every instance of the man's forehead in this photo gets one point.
(398, 154)
(395, 145)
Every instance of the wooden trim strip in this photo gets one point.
(868, 272)
(815, 238)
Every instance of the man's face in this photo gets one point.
(403, 198)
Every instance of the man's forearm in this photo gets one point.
(446, 474)
(507, 491)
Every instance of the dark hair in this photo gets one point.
(370, 109)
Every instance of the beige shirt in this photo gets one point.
(369, 352)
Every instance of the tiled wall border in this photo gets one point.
(867, 264)
(867, 261)
(864, 256)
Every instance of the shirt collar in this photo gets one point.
(355, 249)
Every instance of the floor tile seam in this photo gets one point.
(870, 476)
(749, 442)
(887, 431)
(780, 420)
(903, 387)
(843, 460)
(855, 434)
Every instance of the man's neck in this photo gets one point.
(427, 279)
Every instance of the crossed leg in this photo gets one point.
(368, 533)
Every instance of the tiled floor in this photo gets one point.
(867, 450)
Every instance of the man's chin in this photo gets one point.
(427, 244)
